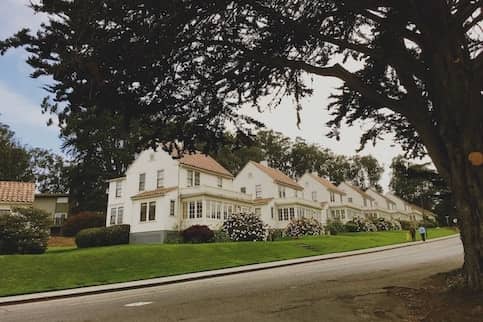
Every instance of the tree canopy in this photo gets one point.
(179, 71)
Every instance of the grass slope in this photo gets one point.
(62, 268)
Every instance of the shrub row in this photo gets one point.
(77, 222)
(103, 236)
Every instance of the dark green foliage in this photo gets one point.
(198, 234)
(221, 236)
(275, 234)
(82, 220)
(14, 158)
(351, 227)
(173, 237)
(103, 236)
(24, 231)
(405, 225)
(334, 227)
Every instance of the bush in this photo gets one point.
(198, 234)
(245, 227)
(173, 237)
(24, 231)
(334, 227)
(382, 224)
(351, 227)
(405, 224)
(82, 220)
(303, 227)
(103, 236)
(221, 236)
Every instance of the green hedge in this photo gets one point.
(103, 236)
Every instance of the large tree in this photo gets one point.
(183, 69)
(14, 157)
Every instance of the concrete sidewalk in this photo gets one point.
(44, 296)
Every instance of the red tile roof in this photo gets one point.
(326, 183)
(204, 162)
(278, 176)
(17, 192)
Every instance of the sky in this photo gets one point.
(20, 98)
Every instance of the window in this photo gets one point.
(281, 192)
(190, 178)
(340, 196)
(172, 207)
(142, 181)
(280, 215)
(258, 191)
(143, 211)
(332, 196)
(213, 210)
(192, 207)
(197, 179)
(218, 210)
(118, 189)
(230, 210)
(199, 209)
(59, 218)
(243, 190)
(292, 213)
(220, 182)
(120, 213)
(342, 213)
(349, 199)
(152, 210)
(314, 195)
(225, 211)
(271, 212)
(160, 179)
(258, 211)
(285, 213)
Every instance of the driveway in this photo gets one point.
(345, 289)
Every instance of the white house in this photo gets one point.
(277, 197)
(360, 200)
(160, 194)
(383, 206)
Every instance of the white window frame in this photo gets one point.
(199, 209)
(145, 204)
(197, 179)
(149, 210)
(192, 210)
(120, 215)
(332, 196)
(220, 182)
(258, 191)
(189, 178)
(112, 220)
(118, 189)
(142, 182)
(314, 195)
(172, 207)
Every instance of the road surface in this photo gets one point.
(346, 289)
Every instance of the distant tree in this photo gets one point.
(365, 172)
(14, 158)
(423, 186)
(50, 171)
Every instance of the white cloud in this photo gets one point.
(19, 16)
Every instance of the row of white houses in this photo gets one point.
(160, 194)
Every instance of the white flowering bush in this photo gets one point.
(245, 227)
(303, 227)
(359, 224)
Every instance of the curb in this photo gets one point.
(123, 286)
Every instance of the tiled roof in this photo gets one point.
(278, 176)
(326, 183)
(360, 191)
(153, 193)
(204, 162)
(22, 192)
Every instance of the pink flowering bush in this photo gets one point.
(245, 227)
(303, 227)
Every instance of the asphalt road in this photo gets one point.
(346, 289)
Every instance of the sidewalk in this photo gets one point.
(44, 296)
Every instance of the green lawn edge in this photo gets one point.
(67, 267)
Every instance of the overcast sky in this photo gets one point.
(20, 98)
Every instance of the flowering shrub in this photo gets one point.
(245, 227)
(359, 224)
(303, 227)
(396, 225)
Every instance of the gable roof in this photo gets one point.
(204, 162)
(359, 190)
(278, 176)
(382, 196)
(17, 192)
(326, 183)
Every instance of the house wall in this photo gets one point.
(357, 198)
(310, 184)
(380, 201)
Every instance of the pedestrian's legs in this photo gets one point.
(423, 236)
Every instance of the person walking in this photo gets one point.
(422, 232)
(412, 231)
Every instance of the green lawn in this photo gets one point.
(62, 268)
